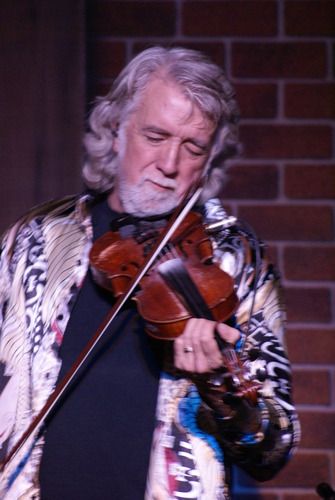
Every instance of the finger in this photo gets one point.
(186, 346)
(210, 346)
(228, 333)
(183, 349)
(196, 349)
(210, 349)
(184, 360)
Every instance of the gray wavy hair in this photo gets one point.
(202, 81)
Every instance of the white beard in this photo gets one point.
(142, 199)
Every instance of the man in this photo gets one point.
(144, 418)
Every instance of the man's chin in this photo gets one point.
(150, 209)
(142, 201)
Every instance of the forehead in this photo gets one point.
(166, 100)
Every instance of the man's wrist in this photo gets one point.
(246, 431)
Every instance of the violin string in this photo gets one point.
(178, 278)
(230, 355)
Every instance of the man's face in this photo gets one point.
(162, 148)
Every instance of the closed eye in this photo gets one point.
(198, 152)
(154, 138)
(196, 149)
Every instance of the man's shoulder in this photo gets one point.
(62, 209)
(56, 208)
(53, 208)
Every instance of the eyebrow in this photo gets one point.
(202, 145)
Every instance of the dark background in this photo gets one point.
(56, 56)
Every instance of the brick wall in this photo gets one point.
(280, 56)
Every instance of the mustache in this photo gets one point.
(162, 181)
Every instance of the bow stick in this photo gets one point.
(177, 218)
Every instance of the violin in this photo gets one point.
(183, 282)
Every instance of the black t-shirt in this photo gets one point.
(98, 441)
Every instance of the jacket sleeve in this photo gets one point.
(258, 438)
(4, 278)
(5, 371)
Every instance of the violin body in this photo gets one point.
(116, 261)
(167, 316)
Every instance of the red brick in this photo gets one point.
(96, 88)
(308, 305)
(309, 181)
(304, 470)
(286, 141)
(214, 50)
(279, 60)
(229, 18)
(257, 100)
(309, 263)
(311, 346)
(251, 181)
(314, 17)
(131, 18)
(311, 387)
(310, 100)
(285, 222)
(318, 429)
(106, 59)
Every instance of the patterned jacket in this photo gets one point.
(44, 259)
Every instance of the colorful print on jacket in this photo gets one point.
(44, 259)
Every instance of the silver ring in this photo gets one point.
(188, 348)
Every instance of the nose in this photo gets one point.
(169, 160)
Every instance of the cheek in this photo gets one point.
(190, 177)
(128, 160)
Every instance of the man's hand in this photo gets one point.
(196, 350)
